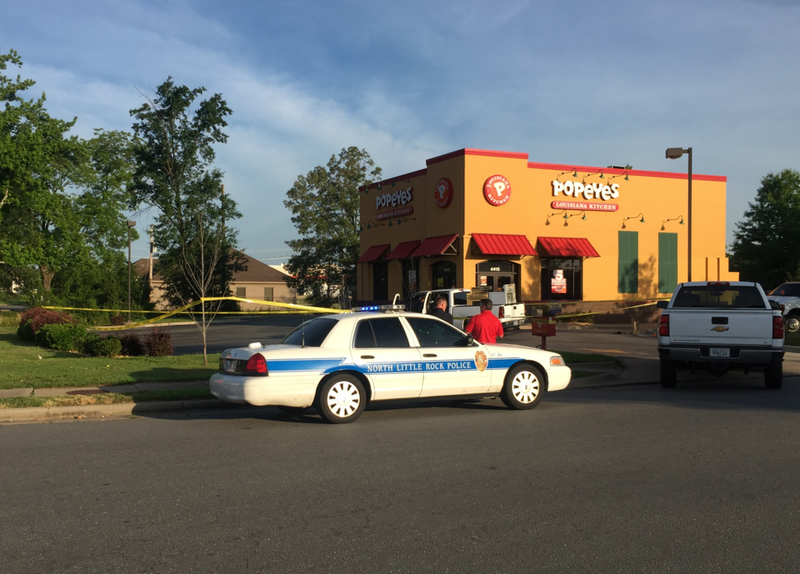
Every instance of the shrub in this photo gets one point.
(36, 317)
(159, 343)
(61, 336)
(103, 346)
(25, 332)
(118, 319)
(132, 345)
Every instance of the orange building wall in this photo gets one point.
(656, 196)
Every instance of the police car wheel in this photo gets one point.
(341, 399)
(523, 388)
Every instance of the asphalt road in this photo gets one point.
(629, 478)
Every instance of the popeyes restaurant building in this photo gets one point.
(483, 219)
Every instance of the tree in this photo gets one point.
(39, 168)
(765, 242)
(325, 210)
(173, 156)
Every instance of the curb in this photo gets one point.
(100, 411)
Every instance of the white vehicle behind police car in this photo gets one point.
(340, 363)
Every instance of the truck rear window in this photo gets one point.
(719, 297)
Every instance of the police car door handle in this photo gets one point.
(367, 357)
(428, 355)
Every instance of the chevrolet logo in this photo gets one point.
(719, 329)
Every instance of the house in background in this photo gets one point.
(259, 281)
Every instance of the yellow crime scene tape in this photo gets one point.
(294, 307)
(183, 310)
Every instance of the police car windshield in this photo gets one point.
(311, 333)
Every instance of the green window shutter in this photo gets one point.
(667, 262)
(628, 278)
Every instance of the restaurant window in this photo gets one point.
(443, 275)
(562, 278)
(628, 276)
(380, 281)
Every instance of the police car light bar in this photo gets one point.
(378, 308)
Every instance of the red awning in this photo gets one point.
(435, 245)
(403, 250)
(494, 244)
(372, 253)
(567, 247)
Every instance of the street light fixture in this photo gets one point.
(130, 224)
(675, 153)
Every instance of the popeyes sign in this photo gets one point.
(576, 189)
(398, 201)
(497, 190)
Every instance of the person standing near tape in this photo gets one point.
(485, 327)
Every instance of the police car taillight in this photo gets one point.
(256, 365)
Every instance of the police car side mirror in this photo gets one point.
(470, 340)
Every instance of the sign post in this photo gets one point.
(544, 329)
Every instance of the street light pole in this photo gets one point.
(130, 224)
(675, 153)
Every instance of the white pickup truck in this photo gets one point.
(718, 326)
(463, 303)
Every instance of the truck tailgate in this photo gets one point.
(720, 327)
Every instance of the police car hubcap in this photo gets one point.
(343, 399)
(525, 387)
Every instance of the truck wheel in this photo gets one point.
(523, 388)
(792, 323)
(773, 376)
(669, 375)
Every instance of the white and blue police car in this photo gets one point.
(338, 364)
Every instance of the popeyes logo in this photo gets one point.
(398, 201)
(443, 194)
(497, 190)
(587, 190)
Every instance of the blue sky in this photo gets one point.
(570, 81)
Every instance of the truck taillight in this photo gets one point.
(777, 328)
(663, 326)
(256, 365)
(502, 312)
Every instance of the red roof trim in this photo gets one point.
(496, 244)
(632, 172)
(372, 253)
(403, 250)
(479, 152)
(566, 247)
(434, 245)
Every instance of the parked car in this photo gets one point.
(340, 363)
(788, 295)
(717, 326)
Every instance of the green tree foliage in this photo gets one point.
(60, 197)
(174, 174)
(765, 242)
(325, 210)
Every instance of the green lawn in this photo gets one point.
(23, 364)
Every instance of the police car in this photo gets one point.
(338, 364)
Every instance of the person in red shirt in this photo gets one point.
(485, 327)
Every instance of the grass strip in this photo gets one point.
(106, 398)
(23, 364)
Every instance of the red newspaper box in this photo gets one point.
(544, 329)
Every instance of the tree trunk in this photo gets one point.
(47, 277)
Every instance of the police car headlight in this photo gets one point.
(557, 361)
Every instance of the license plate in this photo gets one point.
(712, 352)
